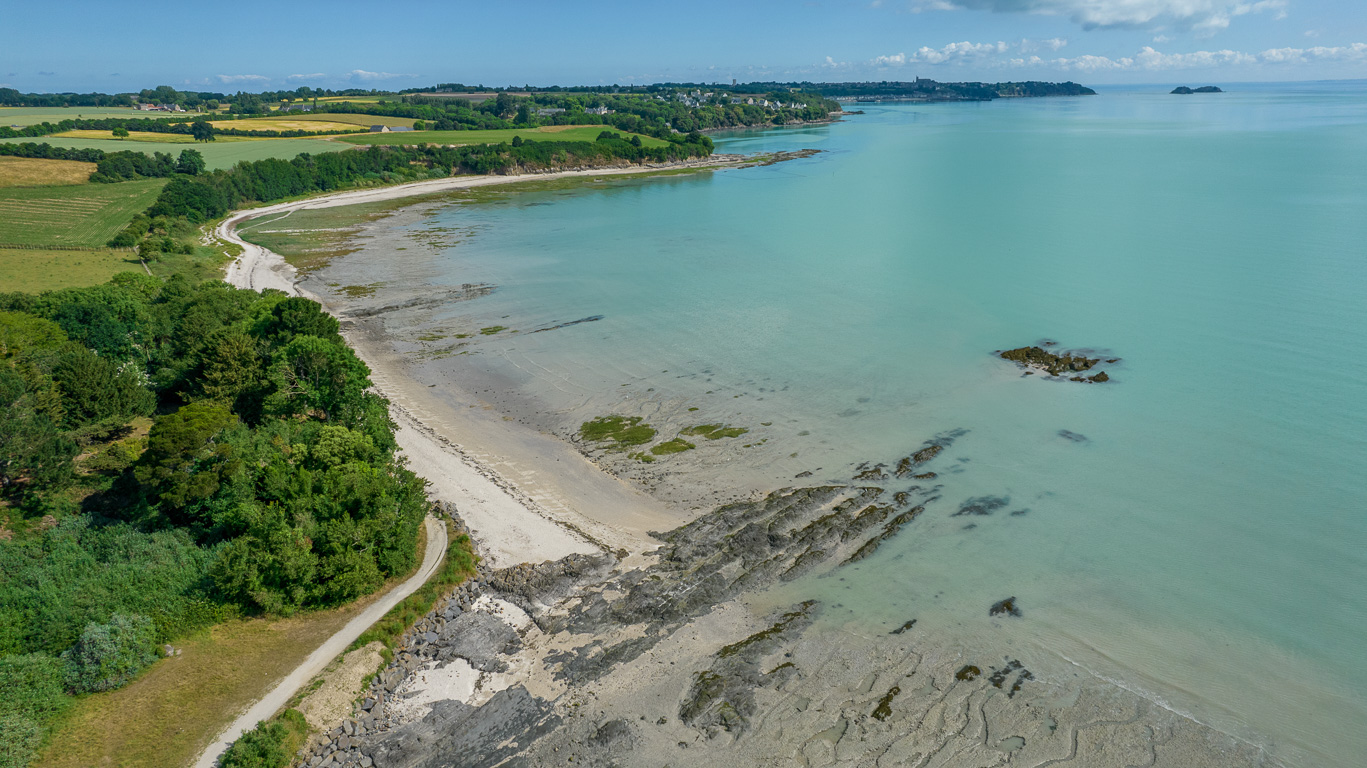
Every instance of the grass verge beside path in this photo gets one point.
(85, 215)
(166, 717)
(460, 564)
(544, 133)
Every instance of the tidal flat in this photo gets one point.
(1154, 572)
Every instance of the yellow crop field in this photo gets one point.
(35, 172)
(284, 124)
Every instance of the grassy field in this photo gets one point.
(86, 215)
(35, 271)
(284, 124)
(170, 713)
(34, 115)
(34, 172)
(165, 717)
(544, 133)
(218, 154)
(157, 138)
(354, 120)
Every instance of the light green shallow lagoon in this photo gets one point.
(1206, 544)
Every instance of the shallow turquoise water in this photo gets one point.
(1207, 543)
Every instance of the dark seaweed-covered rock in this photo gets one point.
(967, 672)
(908, 625)
(1044, 360)
(456, 735)
(982, 506)
(480, 638)
(1074, 436)
(1005, 607)
(723, 697)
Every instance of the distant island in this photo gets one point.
(922, 89)
(1203, 89)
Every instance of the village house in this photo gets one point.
(548, 111)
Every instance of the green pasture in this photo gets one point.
(216, 154)
(83, 216)
(544, 133)
(23, 116)
(35, 271)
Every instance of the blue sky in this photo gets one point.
(251, 45)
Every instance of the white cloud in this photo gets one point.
(312, 76)
(1355, 52)
(1203, 15)
(361, 74)
(1151, 60)
(242, 78)
(1023, 55)
(964, 52)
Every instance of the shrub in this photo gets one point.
(106, 656)
(19, 740)
(268, 745)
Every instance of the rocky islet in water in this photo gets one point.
(1058, 364)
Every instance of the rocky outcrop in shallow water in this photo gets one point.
(648, 669)
(1058, 364)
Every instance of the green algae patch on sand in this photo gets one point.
(757, 640)
(493, 329)
(884, 709)
(714, 431)
(621, 431)
(677, 445)
(359, 291)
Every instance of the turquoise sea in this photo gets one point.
(1205, 542)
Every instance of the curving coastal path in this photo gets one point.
(317, 661)
(512, 529)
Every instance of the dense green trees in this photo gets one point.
(202, 130)
(191, 162)
(267, 481)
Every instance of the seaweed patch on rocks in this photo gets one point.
(1061, 365)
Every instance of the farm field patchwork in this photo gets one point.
(37, 172)
(158, 138)
(285, 124)
(544, 133)
(37, 270)
(24, 116)
(217, 154)
(364, 121)
(84, 216)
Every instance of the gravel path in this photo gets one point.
(330, 649)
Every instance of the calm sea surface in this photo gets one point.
(1205, 543)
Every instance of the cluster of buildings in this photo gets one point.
(149, 107)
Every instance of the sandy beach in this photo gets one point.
(586, 636)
